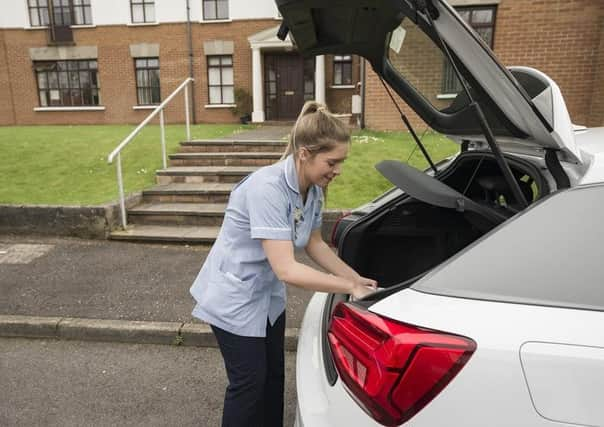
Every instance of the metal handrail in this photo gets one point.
(158, 110)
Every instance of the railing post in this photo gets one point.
(187, 112)
(163, 137)
(120, 184)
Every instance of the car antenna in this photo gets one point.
(410, 128)
(484, 125)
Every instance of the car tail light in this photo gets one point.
(393, 369)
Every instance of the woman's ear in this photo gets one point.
(303, 154)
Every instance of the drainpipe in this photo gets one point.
(363, 81)
(190, 37)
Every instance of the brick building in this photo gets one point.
(110, 61)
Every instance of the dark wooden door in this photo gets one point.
(284, 86)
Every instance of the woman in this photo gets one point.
(240, 289)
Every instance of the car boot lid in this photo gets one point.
(526, 100)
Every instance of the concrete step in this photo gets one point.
(199, 174)
(242, 158)
(189, 193)
(233, 145)
(164, 233)
(201, 214)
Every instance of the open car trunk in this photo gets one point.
(417, 232)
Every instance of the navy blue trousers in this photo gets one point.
(255, 368)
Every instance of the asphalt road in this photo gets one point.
(72, 383)
(100, 279)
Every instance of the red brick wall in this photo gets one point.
(558, 37)
(117, 74)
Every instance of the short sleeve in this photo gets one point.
(317, 220)
(267, 206)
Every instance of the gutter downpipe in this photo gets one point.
(190, 37)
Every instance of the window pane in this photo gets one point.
(227, 76)
(209, 10)
(42, 3)
(153, 62)
(465, 15)
(227, 60)
(87, 15)
(44, 17)
(214, 76)
(87, 95)
(347, 73)
(43, 99)
(155, 95)
(78, 15)
(213, 60)
(223, 9)
(55, 97)
(76, 97)
(33, 18)
(150, 13)
(92, 65)
(84, 79)
(52, 80)
(137, 13)
(140, 63)
(215, 97)
(337, 75)
(154, 78)
(272, 87)
(486, 34)
(482, 16)
(142, 96)
(42, 81)
(227, 95)
(63, 82)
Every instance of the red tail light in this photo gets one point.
(390, 368)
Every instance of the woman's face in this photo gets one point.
(322, 168)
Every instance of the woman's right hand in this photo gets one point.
(363, 287)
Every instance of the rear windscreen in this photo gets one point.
(550, 255)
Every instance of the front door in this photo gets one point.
(288, 82)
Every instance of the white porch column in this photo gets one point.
(320, 79)
(257, 95)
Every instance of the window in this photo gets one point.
(147, 81)
(482, 20)
(64, 12)
(67, 83)
(38, 13)
(215, 9)
(342, 70)
(220, 79)
(142, 11)
(82, 13)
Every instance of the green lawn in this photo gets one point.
(360, 182)
(68, 164)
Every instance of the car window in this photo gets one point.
(417, 59)
(548, 255)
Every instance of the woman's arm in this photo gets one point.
(322, 254)
(280, 254)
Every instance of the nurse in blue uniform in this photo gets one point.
(240, 289)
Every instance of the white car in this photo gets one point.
(491, 261)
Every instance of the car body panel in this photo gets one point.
(563, 381)
(490, 390)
